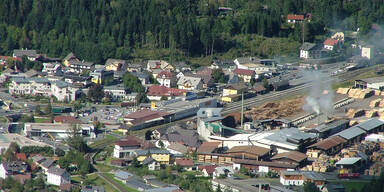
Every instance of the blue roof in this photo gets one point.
(123, 174)
(40, 80)
(371, 124)
(20, 80)
(351, 132)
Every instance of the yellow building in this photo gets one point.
(233, 92)
(114, 64)
(68, 58)
(160, 155)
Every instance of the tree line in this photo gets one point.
(99, 29)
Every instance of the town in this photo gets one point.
(313, 121)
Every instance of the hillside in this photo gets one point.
(99, 29)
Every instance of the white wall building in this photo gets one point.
(57, 176)
(58, 130)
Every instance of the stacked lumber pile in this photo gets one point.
(343, 91)
(353, 113)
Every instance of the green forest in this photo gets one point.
(99, 29)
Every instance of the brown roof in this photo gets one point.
(259, 88)
(127, 143)
(67, 119)
(295, 17)
(184, 162)
(328, 143)
(144, 144)
(208, 147)
(22, 177)
(260, 151)
(244, 72)
(209, 168)
(21, 156)
(266, 163)
(293, 155)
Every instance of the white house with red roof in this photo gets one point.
(156, 92)
(330, 43)
(166, 78)
(125, 148)
(293, 18)
(245, 74)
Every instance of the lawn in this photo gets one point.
(126, 187)
(106, 141)
(94, 180)
(42, 120)
(352, 184)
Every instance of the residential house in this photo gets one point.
(117, 92)
(91, 188)
(12, 168)
(64, 92)
(160, 155)
(249, 152)
(114, 64)
(181, 66)
(166, 78)
(300, 177)
(223, 171)
(143, 77)
(190, 83)
(134, 67)
(245, 74)
(311, 51)
(293, 157)
(31, 73)
(339, 36)
(207, 170)
(125, 148)
(30, 54)
(158, 92)
(177, 149)
(57, 176)
(51, 68)
(176, 134)
(151, 163)
(123, 176)
(367, 52)
(99, 76)
(186, 164)
(80, 66)
(159, 64)
(69, 58)
(47, 164)
(233, 90)
(331, 44)
(76, 79)
(293, 18)
(222, 64)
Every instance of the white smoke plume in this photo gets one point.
(320, 97)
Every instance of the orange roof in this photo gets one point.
(295, 17)
(293, 155)
(21, 156)
(184, 162)
(331, 42)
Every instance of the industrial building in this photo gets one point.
(56, 130)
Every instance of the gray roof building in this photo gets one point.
(123, 175)
(307, 46)
(351, 133)
(151, 151)
(57, 171)
(90, 188)
(25, 52)
(371, 124)
(148, 160)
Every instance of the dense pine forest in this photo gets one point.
(99, 29)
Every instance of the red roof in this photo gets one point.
(244, 72)
(331, 42)
(295, 17)
(158, 90)
(127, 143)
(184, 162)
(9, 57)
(21, 156)
(165, 74)
(67, 119)
(209, 168)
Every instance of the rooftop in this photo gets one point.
(328, 143)
(260, 151)
(351, 133)
(348, 161)
(208, 147)
(293, 155)
(56, 171)
(371, 124)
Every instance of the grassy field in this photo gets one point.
(110, 175)
(351, 82)
(107, 140)
(42, 120)
(353, 184)
(93, 180)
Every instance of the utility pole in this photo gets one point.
(242, 110)
(303, 31)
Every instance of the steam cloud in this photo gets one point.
(320, 98)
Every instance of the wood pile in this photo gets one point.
(343, 91)
(276, 110)
(378, 93)
(353, 113)
(375, 103)
(360, 93)
(371, 113)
